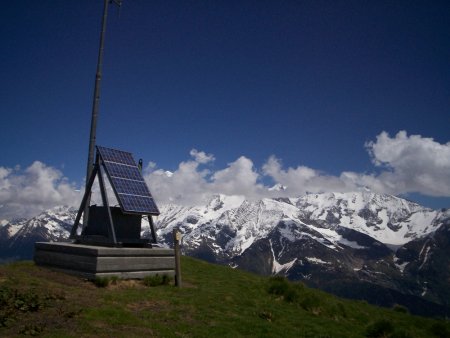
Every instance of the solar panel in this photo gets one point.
(127, 182)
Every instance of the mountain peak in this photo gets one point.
(278, 187)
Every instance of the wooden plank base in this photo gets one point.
(90, 261)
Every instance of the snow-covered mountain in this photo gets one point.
(390, 220)
(378, 247)
(359, 245)
(17, 237)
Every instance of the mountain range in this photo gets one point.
(380, 248)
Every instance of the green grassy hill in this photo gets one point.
(215, 301)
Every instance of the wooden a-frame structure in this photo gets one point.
(111, 238)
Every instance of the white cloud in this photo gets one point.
(201, 157)
(190, 184)
(185, 185)
(301, 179)
(412, 163)
(239, 178)
(404, 164)
(24, 193)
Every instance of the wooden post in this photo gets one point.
(176, 244)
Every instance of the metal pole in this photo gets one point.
(95, 105)
(73, 233)
(111, 230)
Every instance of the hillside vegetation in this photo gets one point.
(215, 301)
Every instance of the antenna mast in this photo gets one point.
(96, 101)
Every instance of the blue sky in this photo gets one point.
(307, 84)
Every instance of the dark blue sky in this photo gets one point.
(307, 81)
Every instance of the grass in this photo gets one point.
(156, 280)
(214, 301)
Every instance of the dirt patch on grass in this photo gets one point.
(148, 305)
(188, 285)
(103, 329)
(126, 284)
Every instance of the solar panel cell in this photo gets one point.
(116, 156)
(137, 203)
(130, 187)
(124, 171)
